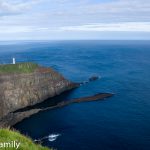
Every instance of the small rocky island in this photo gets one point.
(26, 84)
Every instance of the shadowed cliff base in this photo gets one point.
(13, 118)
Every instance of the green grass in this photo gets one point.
(18, 68)
(7, 135)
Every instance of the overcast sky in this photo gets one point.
(74, 19)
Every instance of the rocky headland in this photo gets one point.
(19, 90)
(31, 85)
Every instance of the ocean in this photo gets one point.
(121, 122)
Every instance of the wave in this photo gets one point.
(51, 138)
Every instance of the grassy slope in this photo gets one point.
(26, 143)
(18, 68)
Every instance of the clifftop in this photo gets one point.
(18, 68)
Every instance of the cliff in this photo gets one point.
(22, 89)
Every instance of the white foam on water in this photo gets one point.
(53, 137)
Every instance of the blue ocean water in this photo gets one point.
(121, 122)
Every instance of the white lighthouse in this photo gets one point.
(14, 61)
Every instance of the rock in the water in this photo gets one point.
(93, 78)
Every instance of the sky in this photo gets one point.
(74, 19)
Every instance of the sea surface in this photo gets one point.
(121, 122)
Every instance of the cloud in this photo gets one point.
(116, 10)
(126, 26)
(21, 29)
(8, 7)
(95, 27)
(60, 16)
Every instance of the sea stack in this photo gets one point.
(27, 84)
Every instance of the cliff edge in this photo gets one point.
(27, 84)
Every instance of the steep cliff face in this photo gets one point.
(25, 89)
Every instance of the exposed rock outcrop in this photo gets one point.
(93, 78)
(13, 118)
(19, 90)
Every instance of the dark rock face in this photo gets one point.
(13, 118)
(21, 90)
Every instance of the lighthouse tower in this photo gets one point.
(14, 61)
